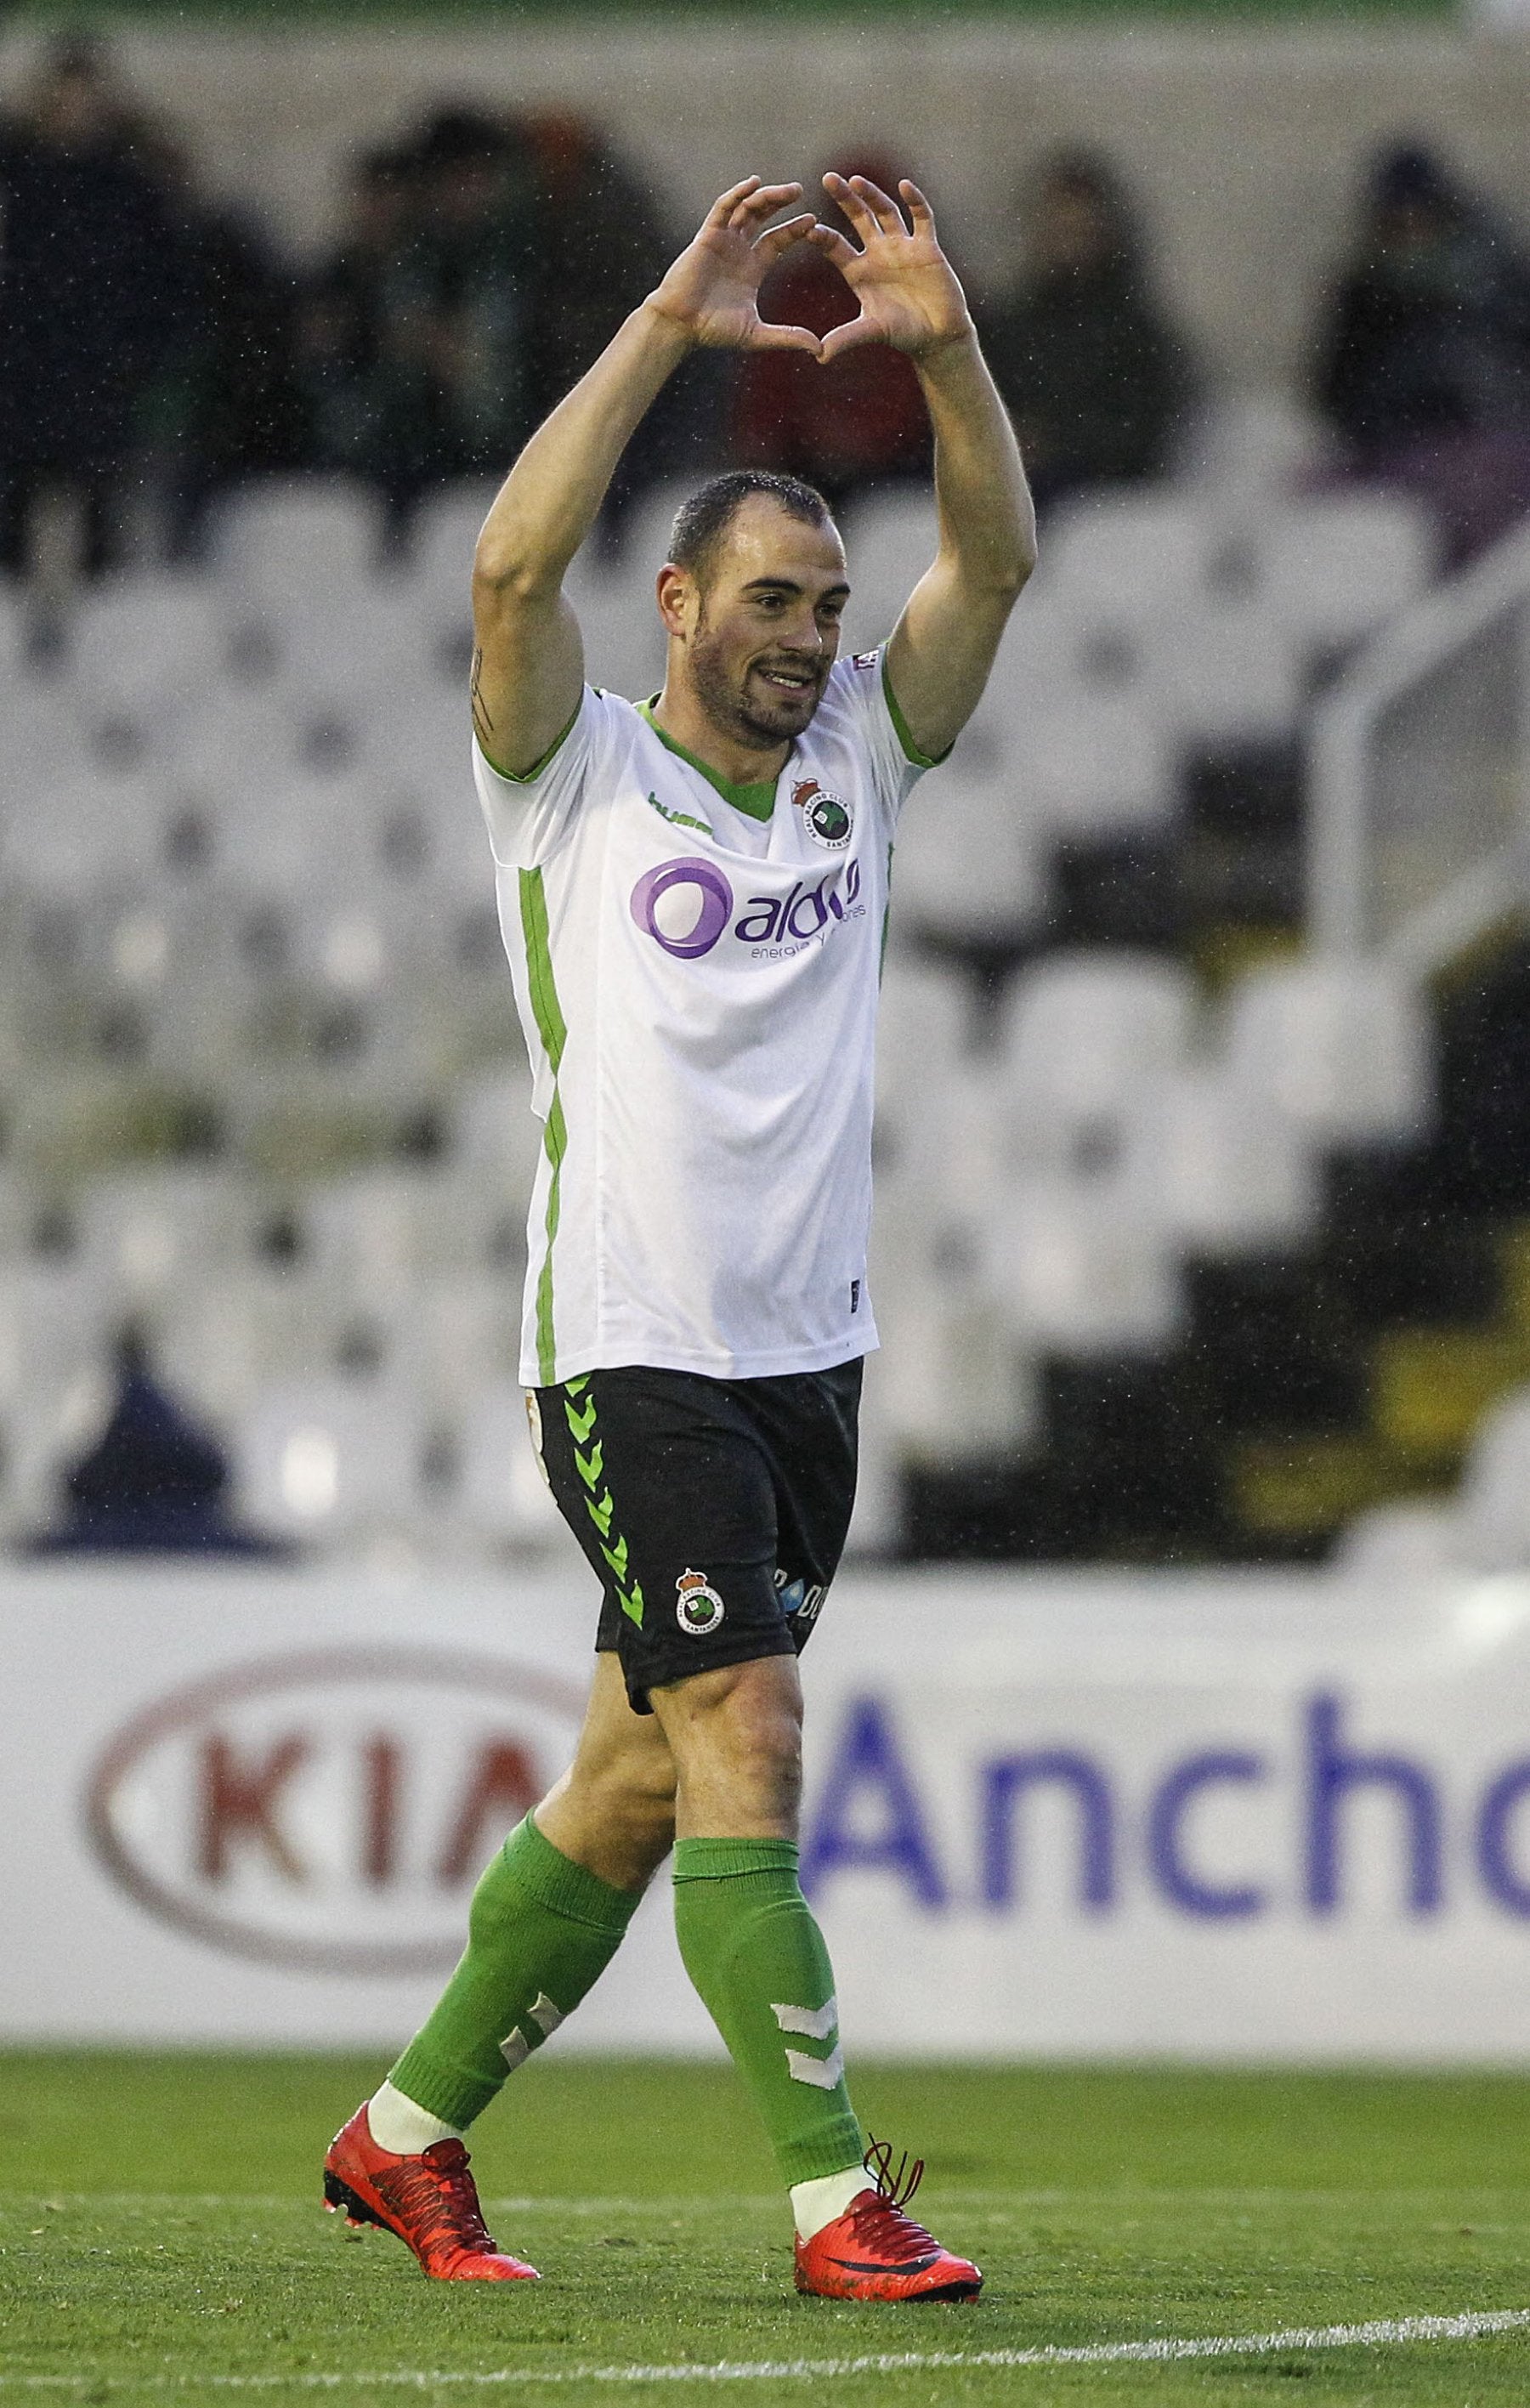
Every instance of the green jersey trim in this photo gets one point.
(526, 777)
(757, 801)
(553, 1032)
(910, 750)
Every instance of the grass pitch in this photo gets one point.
(161, 2238)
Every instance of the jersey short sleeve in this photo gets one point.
(862, 688)
(528, 817)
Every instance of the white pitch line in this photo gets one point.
(1377, 2335)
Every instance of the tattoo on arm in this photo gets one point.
(483, 725)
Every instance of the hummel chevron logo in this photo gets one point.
(515, 2047)
(818, 2072)
(581, 1423)
(601, 1514)
(590, 1465)
(813, 2023)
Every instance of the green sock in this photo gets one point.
(541, 1932)
(757, 1958)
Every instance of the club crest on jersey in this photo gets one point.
(827, 818)
(698, 1609)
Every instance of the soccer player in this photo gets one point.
(693, 893)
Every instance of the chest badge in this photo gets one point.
(828, 818)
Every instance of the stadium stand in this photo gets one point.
(1175, 1254)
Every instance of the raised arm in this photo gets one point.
(943, 646)
(528, 662)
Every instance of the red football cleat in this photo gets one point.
(430, 2201)
(876, 2252)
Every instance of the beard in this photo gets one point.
(745, 707)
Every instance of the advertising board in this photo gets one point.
(1209, 1815)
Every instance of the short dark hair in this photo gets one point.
(703, 521)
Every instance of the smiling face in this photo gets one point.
(754, 635)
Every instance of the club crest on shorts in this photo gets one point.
(698, 1609)
(827, 817)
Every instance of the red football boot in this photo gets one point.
(430, 2201)
(876, 2252)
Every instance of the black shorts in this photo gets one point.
(713, 1512)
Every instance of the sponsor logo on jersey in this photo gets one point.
(770, 925)
(827, 818)
(797, 1600)
(697, 1608)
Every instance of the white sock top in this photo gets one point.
(400, 2127)
(814, 2204)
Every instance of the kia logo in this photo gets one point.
(329, 1812)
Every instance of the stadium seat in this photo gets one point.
(328, 1461)
(889, 541)
(149, 640)
(1343, 1048)
(1096, 763)
(1413, 1541)
(623, 640)
(952, 1384)
(496, 1138)
(501, 1493)
(1080, 1272)
(280, 536)
(1332, 568)
(963, 864)
(1494, 1507)
(1222, 670)
(144, 1235)
(440, 551)
(1078, 1033)
(1249, 450)
(1215, 1170)
(1131, 552)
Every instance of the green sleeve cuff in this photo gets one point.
(526, 777)
(910, 750)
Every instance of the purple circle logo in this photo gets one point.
(716, 902)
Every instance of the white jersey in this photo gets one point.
(696, 968)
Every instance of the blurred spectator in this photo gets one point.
(857, 422)
(1098, 381)
(152, 1483)
(225, 403)
(1424, 358)
(91, 277)
(416, 336)
(604, 246)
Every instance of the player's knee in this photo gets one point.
(741, 1728)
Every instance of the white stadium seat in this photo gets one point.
(1079, 1031)
(1080, 1273)
(445, 531)
(1494, 1508)
(281, 536)
(965, 864)
(328, 1461)
(1215, 1170)
(501, 1492)
(1343, 1048)
(1332, 568)
(1131, 552)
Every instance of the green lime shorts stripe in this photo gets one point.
(553, 1032)
(581, 1417)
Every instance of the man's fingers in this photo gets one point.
(848, 337)
(834, 248)
(763, 203)
(722, 210)
(883, 207)
(768, 336)
(919, 207)
(862, 217)
(779, 238)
